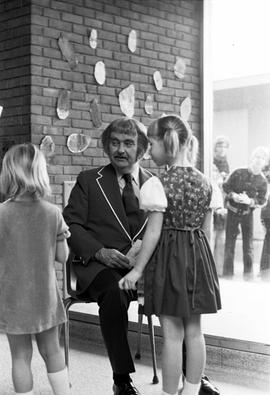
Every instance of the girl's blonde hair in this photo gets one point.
(173, 130)
(24, 170)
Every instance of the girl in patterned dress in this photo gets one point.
(180, 279)
(32, 236)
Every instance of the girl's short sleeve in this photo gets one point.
(62, 230)
(152, 195)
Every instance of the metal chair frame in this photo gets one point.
(72, 298)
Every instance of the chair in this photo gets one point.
(72, 298)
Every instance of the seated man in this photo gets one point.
(104, 220)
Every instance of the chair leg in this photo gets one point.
(153, 348)
(139, 335)
(67, 304)
(66, 341)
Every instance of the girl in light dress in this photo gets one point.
(32, 236)
(180, 279)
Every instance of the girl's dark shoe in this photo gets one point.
(207, 388)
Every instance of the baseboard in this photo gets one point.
(248, 365)
(215, 341)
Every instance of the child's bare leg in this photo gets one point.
(21, 355)
(173, 334)
(49, 348)
(196, 354)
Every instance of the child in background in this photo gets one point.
(32, 236)
(216, 238)
(181, 282)
(221, 147)
(219, 219)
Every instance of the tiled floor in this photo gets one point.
(90, 373)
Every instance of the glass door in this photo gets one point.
(237, 142)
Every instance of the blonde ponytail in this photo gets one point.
(171, 142)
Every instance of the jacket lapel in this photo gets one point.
(108, 184)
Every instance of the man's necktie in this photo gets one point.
(131, 204)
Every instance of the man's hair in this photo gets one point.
(129, 126)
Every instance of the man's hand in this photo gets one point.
(112, 258)
(243, 198)
(129, 280)
(236, 197)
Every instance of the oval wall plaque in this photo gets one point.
(158, 80)
(132, 41)
(93, 39)
(100, 72)
(77, 143)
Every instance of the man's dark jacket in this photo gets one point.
(96, 218)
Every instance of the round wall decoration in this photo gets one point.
(77, 143)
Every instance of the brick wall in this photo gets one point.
(33, 71)
(165, 30)
(15, 19)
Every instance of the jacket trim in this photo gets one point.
(111, 207)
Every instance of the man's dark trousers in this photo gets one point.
(233, 221)
(113, 314)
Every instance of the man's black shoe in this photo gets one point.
(207, 388)
(125, 389)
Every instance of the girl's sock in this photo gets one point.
(60, 382)
(191, 389)
(25, 393)
(180, 385)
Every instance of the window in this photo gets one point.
(236, 122)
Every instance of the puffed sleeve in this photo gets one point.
(62, 230)
(152, 195)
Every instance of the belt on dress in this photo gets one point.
(201, 234)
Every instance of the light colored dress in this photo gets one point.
(180, 279)
(30, 301)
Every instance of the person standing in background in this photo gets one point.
(221, 147)
(246, 189)
(220, 172)
(265, 256)
(219, 218)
